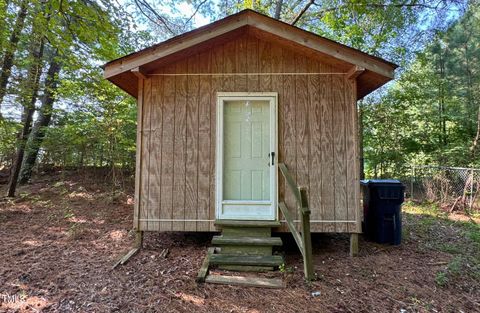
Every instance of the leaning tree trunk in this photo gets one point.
(7, 62)
(45, 115)
(476, 140)
(28, 103)
(3, 14)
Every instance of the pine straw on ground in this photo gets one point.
(61, 235)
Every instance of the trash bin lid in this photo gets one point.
(380, 182)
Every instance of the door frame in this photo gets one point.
(272, 97)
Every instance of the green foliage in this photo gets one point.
(429, 115)
(94, 135)
(7, 141)
(93, 122)
(459, 239)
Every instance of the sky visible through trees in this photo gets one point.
(56, 108)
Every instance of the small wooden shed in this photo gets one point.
(221, 106)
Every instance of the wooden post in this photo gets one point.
(306, 236)
(138, 239)
(353, 244)
(471, 190)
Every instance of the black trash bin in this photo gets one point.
(382, 202)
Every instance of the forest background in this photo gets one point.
(56, 110)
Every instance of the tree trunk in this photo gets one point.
(477, 136)
(278, 9)
(45, 115)
(9, 55)
(28, 103)
(3, 14)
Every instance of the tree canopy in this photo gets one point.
(57, 109)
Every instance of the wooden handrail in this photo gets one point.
(288, 218)
(290, 182)
(303, 240)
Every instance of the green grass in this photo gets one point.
(432, 229)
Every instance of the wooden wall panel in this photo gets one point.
(289, 148)
(252, 64)
(316, 134)
(276, 57)
(301, 122)
(167, 149)
(326, 128)
(145, 179)
(179, 149)
(191, 167)
(229, 64)
(217, 85)
(204, 143)
(339, 157)
(241, 64)
(265, 65)
(315, 153)
(138, 157)
(155, 163)
(355, 211)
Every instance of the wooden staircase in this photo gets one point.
(243, 246)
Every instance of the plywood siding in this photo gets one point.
(317, 135)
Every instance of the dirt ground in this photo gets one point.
(61, 235)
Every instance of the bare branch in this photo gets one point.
(305, 8)
(194, 13)
(144, 4)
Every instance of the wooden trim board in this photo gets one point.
(261, 22)
(245, 281)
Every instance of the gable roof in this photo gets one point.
(375, 71)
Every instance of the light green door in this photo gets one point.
(248, 173)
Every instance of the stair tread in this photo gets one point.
(245, 281)
(247, 241)
(241, 223)
(258, 260)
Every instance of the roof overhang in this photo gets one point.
(375, 71)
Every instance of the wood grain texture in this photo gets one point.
(138, 157)
(155, 166)
(265, 65)
(217, 85)
(168, 118)
(328, 200)
(205, 159)
(192, 166)
(340, 170)
(276, 55)
(301, 122)
(288, 103)
(356, 132)
(229, 63)
(145, 179)
(241, 63)
(317, 135)
(179, 147)
(315, 153)
(350, 153)
(252, 64)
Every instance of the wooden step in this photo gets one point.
(258, 232)
(257, 260)
(246, 241)
(239, 223)
(245, 281)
